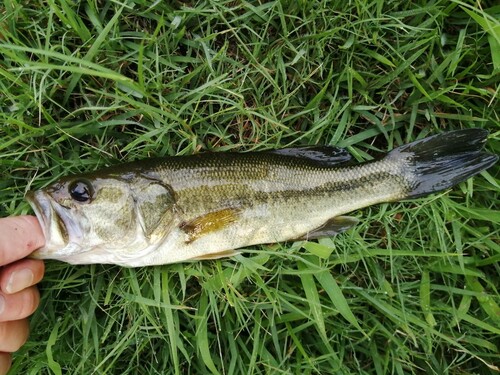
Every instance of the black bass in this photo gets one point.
(205, 206)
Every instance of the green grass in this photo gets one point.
(412, 289)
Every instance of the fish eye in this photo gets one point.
(81, 190)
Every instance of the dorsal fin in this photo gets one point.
(325, 155)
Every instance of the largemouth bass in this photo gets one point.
(207, 205)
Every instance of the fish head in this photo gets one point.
(105, 219)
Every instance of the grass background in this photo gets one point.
(412, 289)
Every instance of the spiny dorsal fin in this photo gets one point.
(325, 155)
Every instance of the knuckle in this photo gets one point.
(3, 331)
(30, 302)
(13, 335)
(23, 337)
(19, 305)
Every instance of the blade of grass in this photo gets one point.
(337, 297)
(312, 296)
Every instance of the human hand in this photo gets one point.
(19, 236)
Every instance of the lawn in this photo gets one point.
(412, 289)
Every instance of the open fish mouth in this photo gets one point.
(43, 210)
(56, 224)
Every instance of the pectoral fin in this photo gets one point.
(208, 223)
(331, 228)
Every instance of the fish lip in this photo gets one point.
(43, 210)
(57, 225)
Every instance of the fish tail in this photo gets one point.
(439, 162)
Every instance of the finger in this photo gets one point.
(5, 362)
(20, 275)
(18, 305)
(13, 335)
(20, 235)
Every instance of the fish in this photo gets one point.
(211, 205)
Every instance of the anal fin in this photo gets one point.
(220, 254)
(331, 227)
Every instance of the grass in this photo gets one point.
(412, 289)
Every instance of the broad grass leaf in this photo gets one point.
(337, 297)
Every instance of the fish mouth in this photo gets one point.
(57, 225)
(43, 211)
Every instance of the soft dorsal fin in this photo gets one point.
(325, 155)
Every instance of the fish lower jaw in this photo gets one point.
(56, 252)
(135, 254)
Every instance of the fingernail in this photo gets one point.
(2, 304)
(19, 280)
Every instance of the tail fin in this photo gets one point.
(444, 160)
